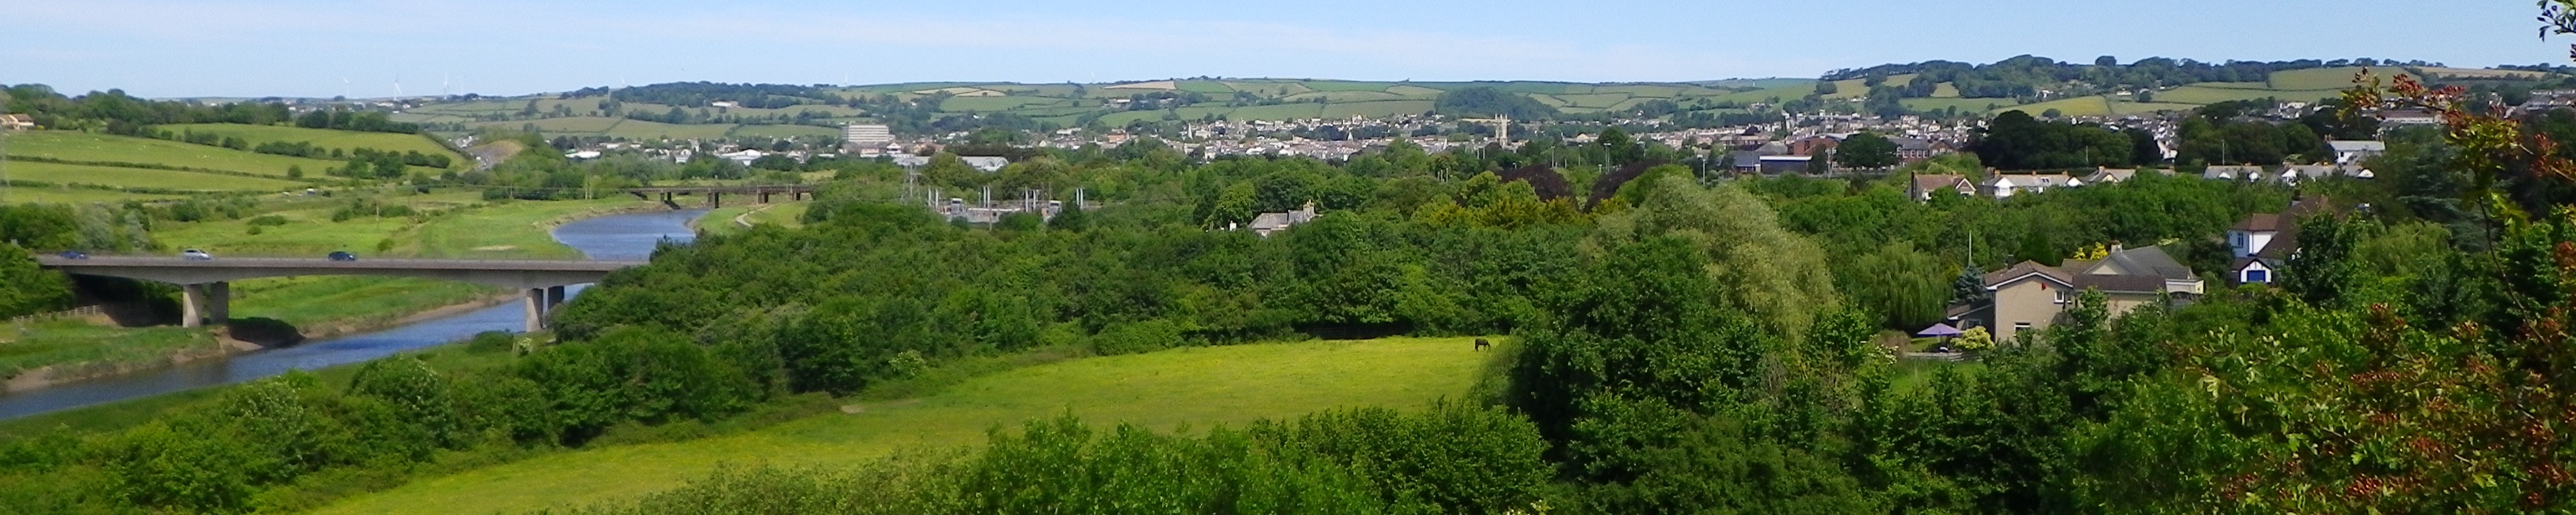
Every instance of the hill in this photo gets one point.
(320, 138)
(1195, 387)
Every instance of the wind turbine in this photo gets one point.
(442, 85)
(398, 92)
(344, 87)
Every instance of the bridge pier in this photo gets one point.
(204, 301)
(715, 200)
(541, 304)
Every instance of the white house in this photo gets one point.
(2005, 186)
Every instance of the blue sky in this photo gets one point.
(173, 48)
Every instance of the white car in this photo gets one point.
(195, 255)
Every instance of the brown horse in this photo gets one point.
(1481, 344)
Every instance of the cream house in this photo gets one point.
(2030, 296)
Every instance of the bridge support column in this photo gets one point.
(715, 200)
(201, 303)
(554, 297)
(192, 299)
(536, 309)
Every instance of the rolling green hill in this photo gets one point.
(83, 147)
(1196, 387)
(322, 138)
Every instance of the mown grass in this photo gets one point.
(102, 148)
(322, 138)
(143, 178)
(1194, 387)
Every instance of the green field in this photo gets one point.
(2325, 78)
(644, 130)
(782, 131)
(144, 178)
(1193, 387)
(69, 195)
(102, 148)
(324, 138)
(2078, 106)
(1970, 105)
(73, 341)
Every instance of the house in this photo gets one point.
(2354, 152)
(2263, 242)
(1916, 150)
(2108, 175)
(1265, 223)
(2031, 296)
(2232, 173)
(2401, 117)
(1924, 187)
(2005, 186)
(17, 122)
(1746, 161)
(1814, 146)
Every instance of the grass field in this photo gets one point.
(1970, 105)
(74, 341)
(145, 178)
(64, 195)
(782, 131)
(324, 138)
(1196, 387)
(102, 148)
(2325, 78)
(644, 130)
(2078, 106)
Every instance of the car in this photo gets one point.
(195, 255)
(73, 254)
(343, 255)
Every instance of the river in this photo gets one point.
(626, 236)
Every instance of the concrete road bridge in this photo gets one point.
(207, 283)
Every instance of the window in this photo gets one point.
(2020, 327)
(2258, 275)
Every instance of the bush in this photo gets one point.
(268, 220)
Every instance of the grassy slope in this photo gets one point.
(144, 178)
(73, 341)
(1198, 387)
(324, 138)
(63, 195)
(87, 147)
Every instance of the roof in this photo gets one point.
(2112, 174)
(2121, 283)
(2358, 146)
(1933, 182)
(2259, 222)
(2029, 269)
(2145, 261)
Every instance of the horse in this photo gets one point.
(1481, 344)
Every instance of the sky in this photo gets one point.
(378, 48)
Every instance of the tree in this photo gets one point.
(1866, 150)
(1906, 288)
(1827, 88)
(26, 288)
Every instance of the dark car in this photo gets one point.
(73, 254)
(343, 255)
